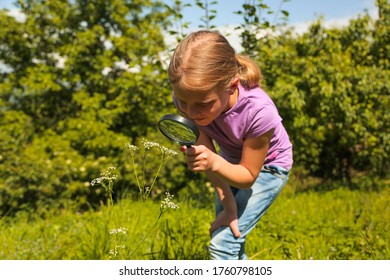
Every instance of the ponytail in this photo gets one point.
(249, 73)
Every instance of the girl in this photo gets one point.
(219, 90)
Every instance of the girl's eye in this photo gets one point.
(181, 102)
(207, 103)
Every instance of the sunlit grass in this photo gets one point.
(337, 224)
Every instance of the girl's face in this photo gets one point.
(203, 108)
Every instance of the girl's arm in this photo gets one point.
(242, 175)
(228, 217)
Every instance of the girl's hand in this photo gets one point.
(199, 158)
(226, 218)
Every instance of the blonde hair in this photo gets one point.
(204, 61)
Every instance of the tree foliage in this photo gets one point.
(332, 89)
(86, 77)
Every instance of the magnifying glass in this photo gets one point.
(179, 129)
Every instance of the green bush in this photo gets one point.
(331, 87)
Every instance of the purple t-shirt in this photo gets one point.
(253, 115)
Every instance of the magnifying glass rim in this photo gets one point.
(182, 121)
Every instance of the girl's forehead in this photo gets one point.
(193, 95)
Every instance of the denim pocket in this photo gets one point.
(277, 171)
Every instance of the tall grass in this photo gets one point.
(336, 224)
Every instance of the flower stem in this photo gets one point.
(146, 235)
(136, 174)
(155, 178)
(134, 231)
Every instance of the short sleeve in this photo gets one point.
(262, 120)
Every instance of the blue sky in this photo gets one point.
(300, 10)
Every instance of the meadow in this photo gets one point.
(320, 224)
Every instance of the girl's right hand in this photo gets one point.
(199, 158)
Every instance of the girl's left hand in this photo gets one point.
(199, 158)
(228, 219)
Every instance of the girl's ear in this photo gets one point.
(233, 85)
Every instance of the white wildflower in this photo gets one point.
(115, 252)
(96, 181)
(167, 152)
(149, 145)
(131, 148)
(105, 176)
(119, 231)
(166, 204)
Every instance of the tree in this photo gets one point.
(257, 23)
(86, 77)
(331, 86)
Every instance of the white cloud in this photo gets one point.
(17, 14)
(4, 68)
(232, 34)
(335, 22)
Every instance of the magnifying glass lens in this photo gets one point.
(179, 129)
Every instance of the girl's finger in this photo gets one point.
(235, 231)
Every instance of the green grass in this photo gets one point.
(336, 224)
(339, 224)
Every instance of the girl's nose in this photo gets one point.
(192, 112)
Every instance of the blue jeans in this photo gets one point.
(252, 203)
